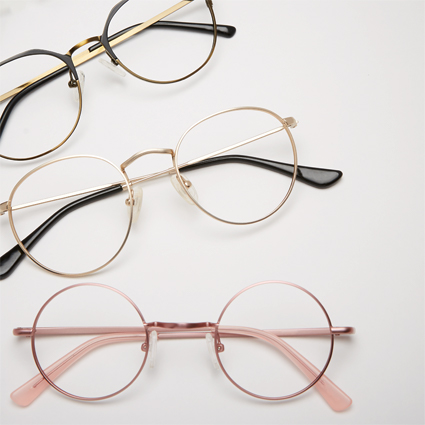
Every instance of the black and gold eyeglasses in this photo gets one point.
(147, 47)
(238, 166)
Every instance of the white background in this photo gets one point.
(352, 73)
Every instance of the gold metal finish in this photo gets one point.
(137, 155)
(171, 170)
(210, 7)
(81, 44)
(80, 106)
(87, 55)
(4, 207)
(128, 183)
(291, 120)
(22, 246)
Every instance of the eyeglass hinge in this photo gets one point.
(291, 122)
(3, 208)
(113, 60)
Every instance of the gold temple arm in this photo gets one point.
(4, 206)
(87, 55)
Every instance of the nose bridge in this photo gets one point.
(171, 330)
(178, 326)
(81, 44)
(144, 152)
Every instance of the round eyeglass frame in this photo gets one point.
(243, 108)
(128, 185)
(25, 250)
(40, 368)
(69, 65)
(217, 342)
(103, 40)
(114, 57)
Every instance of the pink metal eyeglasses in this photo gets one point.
(274, 362)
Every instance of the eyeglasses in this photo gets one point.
(243, 187)
(148, 48)
(273, 340)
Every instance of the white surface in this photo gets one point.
(352, 73)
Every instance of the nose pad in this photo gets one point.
(177, 185)
(137, 202)
(210, 344)
(112, 67)
(73, 86)
(153, 338)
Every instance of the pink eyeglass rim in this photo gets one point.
(215, 329)
(217, 341)
(46, 377)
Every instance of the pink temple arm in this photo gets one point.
(28, 392)
(333, 395)
(175, 334)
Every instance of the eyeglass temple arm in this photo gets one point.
(226, 31)
(11, 259)
(317, 177)
(28, 392)
(22, 93)
(332, 394)
(320, 178)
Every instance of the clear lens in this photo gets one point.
(95, 346)
(260, 361)
(84, 236)
(38, 120)
(238, 188)
(163, 52)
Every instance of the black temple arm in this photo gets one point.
(320, 178)
(226, 31)
(27, 90)
(11, 259)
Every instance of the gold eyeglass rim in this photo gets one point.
(103, 44)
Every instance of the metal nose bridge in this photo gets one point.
(168, 326)
(137, 155)
(168, 330)
(81, 44)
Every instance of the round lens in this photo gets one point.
(71, 214)
(172, 48)
(88, 341)
(38, 116)
(240, 163)
(274, 340)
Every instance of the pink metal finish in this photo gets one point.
(332, 394)
(171, 334)
(335, 397)
(45, 373)
(28, 392)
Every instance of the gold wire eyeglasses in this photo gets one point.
(238, 166)
(39, 113)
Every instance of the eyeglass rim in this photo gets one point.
(22, 246)
(217, 341)
(241, 108)
(46, 377)
(69, 65)
(128, 185)
(105, 42)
